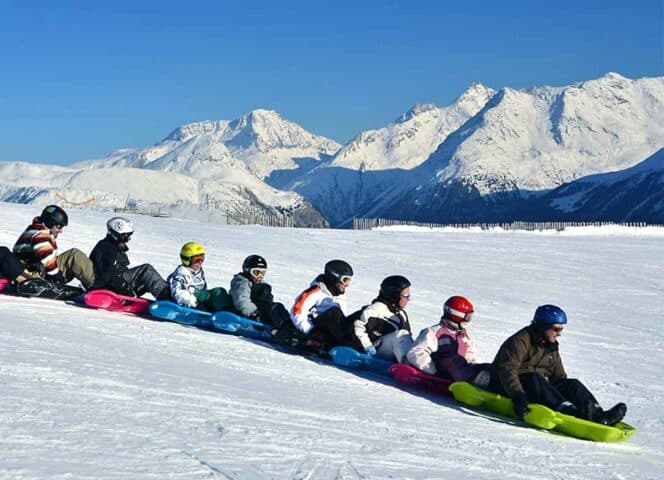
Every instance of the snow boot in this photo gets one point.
(612, 416)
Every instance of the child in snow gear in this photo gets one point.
(111, 265)
(446, 349)
(382, 328)
(37, 249)
(528, 369)
(252, 297)
(319, 312)
(188, 286)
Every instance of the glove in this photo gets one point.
(520, 404)
(370, 350)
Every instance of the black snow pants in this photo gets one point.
(140, 280)
(10, 265)
(557, 394)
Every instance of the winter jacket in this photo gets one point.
(249, 297)
(377, 320)
(37, 244)
(525, 352)
(184, 282)
(314, 301)
(445, 339)
(109, 262)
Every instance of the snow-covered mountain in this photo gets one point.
(521, 144)
(410, 140)
(199, 168)
(634, 194)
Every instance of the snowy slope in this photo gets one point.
(93, 394)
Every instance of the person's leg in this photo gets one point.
(576, 392)
(214, 300)
(11, 267)
(394, 346)
(331, 322)
(457, 368)
(539, 390)
(142, 279)
(75, 264)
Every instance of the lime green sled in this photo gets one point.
(541, 416)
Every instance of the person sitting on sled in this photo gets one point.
(382, 328)
(37, 248)
(447, 350)
(111, 265)
(252, 297)
(528, 369)
(188, 286)
(319, 312)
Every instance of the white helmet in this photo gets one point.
(120, 229)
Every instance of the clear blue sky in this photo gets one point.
(79, 79)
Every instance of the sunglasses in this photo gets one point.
(556, 329)
(258, 272)
(197, 259)
(345, 279)
(406, 296)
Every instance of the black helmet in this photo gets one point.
(54, 215)
(253, 261)
(338, 269)
(391, 287)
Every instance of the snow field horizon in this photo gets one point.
(94, 394)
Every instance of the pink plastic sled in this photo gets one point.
(112, 301)
(411, 376)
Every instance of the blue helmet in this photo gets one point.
(549, 314)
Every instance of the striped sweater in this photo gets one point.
(37, 244)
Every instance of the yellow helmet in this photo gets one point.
(190, 250)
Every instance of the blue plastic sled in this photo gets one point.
(177, 313)
(230, 323)
(350, 358)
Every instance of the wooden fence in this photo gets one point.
(369, 223)
(267, 220)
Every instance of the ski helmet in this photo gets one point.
(190, 250)
(340, 270)
(253, 262)
(458, 309)
(120, 229)
(548, 314)
(392, 286)
(53, 215)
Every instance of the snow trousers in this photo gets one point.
(75, 264)
(214, 300)
(457, 368)
(332, 324)
(10, 264)
(567, 395)
(394, 346)
(140, 280)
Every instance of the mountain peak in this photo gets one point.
(416, 110)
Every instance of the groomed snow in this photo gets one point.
(94, 394)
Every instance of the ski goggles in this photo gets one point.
(345, 279)
(556, 329)
(197, 259)
(258, 272)
(406, 296)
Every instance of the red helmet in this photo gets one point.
(458, 309)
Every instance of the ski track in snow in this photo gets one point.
(92, 394)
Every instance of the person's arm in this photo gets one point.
(508, 361)
(300, 313)
(241, 294)
(419, 355)
(360, 328)
(180, 291)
